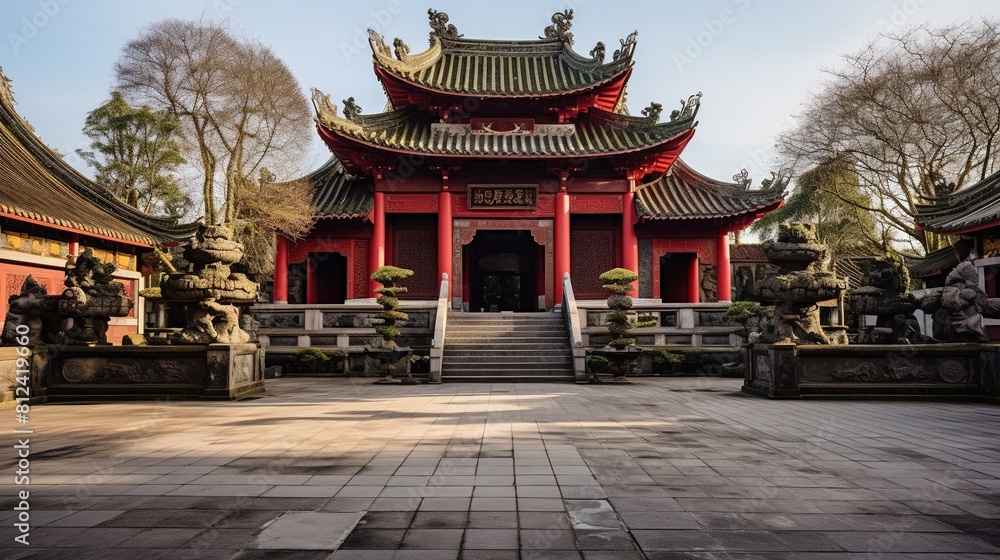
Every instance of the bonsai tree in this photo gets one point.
(621, 351)
(387, 357)
(388, 276)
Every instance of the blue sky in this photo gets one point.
(755, 61)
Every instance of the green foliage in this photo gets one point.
(645, 321)
(743, 311)
(134, 152)
(389, 275)
(618, 281)
(831, 197)
(666, 362)
(597, 364)
(312, 360)
(619, 301)
(693, 361)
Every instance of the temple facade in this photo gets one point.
(506, 164)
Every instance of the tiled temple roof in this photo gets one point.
(338, 193)
(933, 264)
(596, 133)
(970, 209)
(489, 68)
(36, 184)
(684, 194)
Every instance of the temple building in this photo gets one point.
(49, 211)
(972, 215)
(506, 164)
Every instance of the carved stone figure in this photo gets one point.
(885, 282)
(214, 289)
(801, 281)
(91, 298)
(961, 305)
(28, 310)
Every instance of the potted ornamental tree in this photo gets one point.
(384, 356)
(621, 352)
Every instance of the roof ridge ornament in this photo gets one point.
(742, 179)
(6, 92)
(324, 107)
(598, 53)
(652, 113)
(627, 48)
(401, 49)
(688, 108)
(352, 111)
(441, 29)
(559, 30)
(377, 41)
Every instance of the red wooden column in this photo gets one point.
(312, 280)
(561, 252)
(280, 270)
(445, 232)
(725, 271)
(376, 255)
(630, 243)
(694, 280)
(74, 244)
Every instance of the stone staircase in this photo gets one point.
(506, 347)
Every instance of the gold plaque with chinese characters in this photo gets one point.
(503, 197)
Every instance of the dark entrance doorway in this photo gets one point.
(330, 274)
(679, 278)
(503, 271)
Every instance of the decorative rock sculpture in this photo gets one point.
(886, 282)
(963, 303)
(213, 287)
(91, 299)
(801, 281)
(32, 309)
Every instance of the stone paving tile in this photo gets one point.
(692, 469)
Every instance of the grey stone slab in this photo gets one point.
(547, 539)
(592, 514)
(494, 539)
(307, 531)
(433, 539)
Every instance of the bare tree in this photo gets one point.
(911, 112)
(239, 105)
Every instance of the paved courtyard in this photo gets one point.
(664, 468)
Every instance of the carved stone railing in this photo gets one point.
(285, 328)
(440, 322)
(692, 325)
(571, 313)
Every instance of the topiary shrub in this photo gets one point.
(666, 362)
(312, 360)
(388, 276)
(619, 281)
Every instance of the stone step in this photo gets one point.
(509, 378)
(492, 355)
(505, 328)
(467, 337)
(450, 345)
(507, 364)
